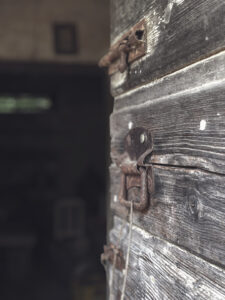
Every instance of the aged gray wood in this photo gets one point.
(185, 112)
(201, 73)
(179, 33)
(177, 92)
(160, 270)
(188, 128)
(187, 208)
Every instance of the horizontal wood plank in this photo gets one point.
(188, 128)
(198, 75)
(160, 270)
(187, 208)
(179, 33)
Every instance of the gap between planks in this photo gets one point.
(187, 168)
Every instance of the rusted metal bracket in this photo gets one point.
(130, 47)
(137, 180)
(111, 252)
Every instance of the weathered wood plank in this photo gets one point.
(187, 208)
(160, 270)
(207, 71)
(179, 33)
(188, 128)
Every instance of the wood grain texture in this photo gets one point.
(187, 208)
(159, 270)
(207, 71)
(179, 33)
(188, 128)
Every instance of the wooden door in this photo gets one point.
(168, 120)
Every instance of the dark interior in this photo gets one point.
(53, 179)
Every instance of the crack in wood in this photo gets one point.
(187, 168)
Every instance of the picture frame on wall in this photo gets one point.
(65, 38)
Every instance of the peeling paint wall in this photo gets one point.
(26, 32)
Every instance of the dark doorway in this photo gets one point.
(53, 178)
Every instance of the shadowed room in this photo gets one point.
(54, 108)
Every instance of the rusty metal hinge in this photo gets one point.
(112, 253)
(137, 180)
(130, 47)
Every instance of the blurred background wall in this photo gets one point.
(26, 31)
(54, 109)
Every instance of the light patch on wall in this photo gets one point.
(115, 198)
(130, 125)
(23, 104)
(202, 125)
(168, 10)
